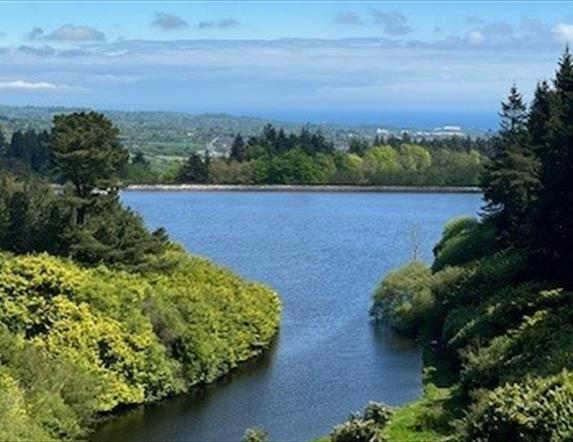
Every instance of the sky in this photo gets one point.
(409, 63)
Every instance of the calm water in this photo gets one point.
(324, 253)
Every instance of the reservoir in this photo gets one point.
(324, 253)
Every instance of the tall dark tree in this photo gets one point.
(510, 180)
(553, 235)
(17, 235)
(194, 170)
(17, 148)
(88, 154)
(539, 117)
(238, 149)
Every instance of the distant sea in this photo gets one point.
(423, 119)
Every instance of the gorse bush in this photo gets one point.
(89, 340)
(538, 409)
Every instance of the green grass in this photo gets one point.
(429, 418)
(421, 420)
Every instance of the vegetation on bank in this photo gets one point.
(98, 313)
(277, 157)
(496, 305)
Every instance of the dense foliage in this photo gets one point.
(497, 302)
(275, 157)
(96, 312)
(75, 342)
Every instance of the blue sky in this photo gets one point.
(422, 63)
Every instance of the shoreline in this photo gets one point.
(297, 188)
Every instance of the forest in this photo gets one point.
(494, 310)
(277, 157)
(97, 313)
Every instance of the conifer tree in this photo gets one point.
(510, 180)
(553, 233)
(539, 116)
(238, 149)
(194, 170)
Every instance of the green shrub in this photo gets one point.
(540, 345)
(538, 409)
(404, 297)
(501, 312)
(464, 240)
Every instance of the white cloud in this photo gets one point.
(31, 86)
(563, 32)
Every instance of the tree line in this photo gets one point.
(274, 157)
(277, 157)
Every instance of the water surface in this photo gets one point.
(324, 253)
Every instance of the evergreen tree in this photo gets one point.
(553, 234)
(17, 236)
(88, 154)
(510, 180)
(194, 170)
(239, 149)
(539, 116)
(17, 148)
(283, 142)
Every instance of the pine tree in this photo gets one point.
(510, 180)
(17, 148)
(238, 149)
(553, 233)
(194, 170)
(539, 116)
